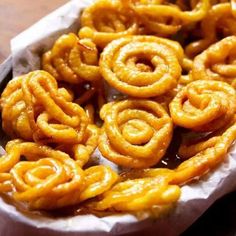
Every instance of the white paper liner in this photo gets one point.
(195, 197)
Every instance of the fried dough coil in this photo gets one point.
(142, 66)
(46, 173)
(165, 20)
(7, 161)
(192, 145)
(139, 194)
(219, 18)
(72, 60)
(61, 121)
(49, 115)
(98, 179)
(50, 179)
(114, 22)
(204, 105)
(143, 189)
(218, 62)
(136, 133)
(15, 121)
(207, 158)
(81, 152)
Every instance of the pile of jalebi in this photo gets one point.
(169, 63)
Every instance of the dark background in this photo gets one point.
(17, 15)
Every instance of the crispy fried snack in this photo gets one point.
(72, 60)
(106, 20)
(50, 116)
(210, 154)
(81, 152)
(155, 78)
(7, 161)
(218, 62)
(143, 189)
(49, 178)
(136, 133)
(47, 174)
(15, 121)
(140, 194)
(220, 18)
(187, 150)
(98, 179)
(204, 105)
(142, 66)
(167, 19)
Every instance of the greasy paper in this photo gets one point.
(195, 198)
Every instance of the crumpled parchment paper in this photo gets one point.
(196, 197)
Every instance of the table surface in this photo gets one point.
(16, 16)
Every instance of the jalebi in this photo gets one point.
(136, 133)
(204, 105)
(142, 66)
(107, 20)
(72, 60)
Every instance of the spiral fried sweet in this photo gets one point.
(139, 194)
(218, 62)
(98, 179)
(147, 188)
(50, 116)
(188, 150)
(192, 145)
(46, 173)
(72, 60)
(210, 155)
(204, 105)
(49, 178)
(142, 66)
(81, 152)
(165, 20)
(136, 133)
(61, 121)
(219, 18)
(7, 161)
(15, 121)
(116, 22)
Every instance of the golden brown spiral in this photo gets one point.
(136, 133)
(15, 121)
(204, 105)
(72, 60)
(49, 178)
(147, 188)
(142, 66)
(81, 152)
(140, 194)
(117, 21)
(220, 18)
(218, 62)
(44, 109)
(166, 19)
